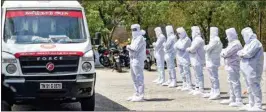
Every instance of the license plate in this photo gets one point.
(50, 85)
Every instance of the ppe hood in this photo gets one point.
(135, 28)
(248, 35)
(181, 32)
(143, 32)
(195, 31)
(231, 34)
(213, 32)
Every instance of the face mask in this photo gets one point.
(135, 34)
(181, 35)
(229, 39)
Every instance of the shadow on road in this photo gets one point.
(105, 104)
(158, 99)
(223, 92)
(102, 104)
(152, 70)
(227, 97)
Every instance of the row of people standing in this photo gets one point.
(248, 60)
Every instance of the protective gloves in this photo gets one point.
(222, 53)
(240, 53)
(188, 49)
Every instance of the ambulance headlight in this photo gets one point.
(86, 66)
(11, 68)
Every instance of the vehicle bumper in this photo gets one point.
(28, 88)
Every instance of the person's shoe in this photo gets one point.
(161, 81)
(245, 107)
(166, 83)
(214, 97)
(198, 93)
(255, 108)
(156, 80)
(191, 92)
(188, 88)
(172, 84)
(185, 89)
(236, 104)
(206, 95)
(226, 102)
(131, 97)
(137, 99)
(179, 88)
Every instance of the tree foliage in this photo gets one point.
(106, 15)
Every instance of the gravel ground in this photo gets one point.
(112, 90)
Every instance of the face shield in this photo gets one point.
(169, 30)
(158, 31)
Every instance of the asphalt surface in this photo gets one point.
(112, 90)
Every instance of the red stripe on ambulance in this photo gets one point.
(50, 53)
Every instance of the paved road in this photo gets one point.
(113, 88)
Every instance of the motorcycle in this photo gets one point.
(124, 56)
(116, 60)
(148, 62)
(104, 56)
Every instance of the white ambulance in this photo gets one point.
(47, 53)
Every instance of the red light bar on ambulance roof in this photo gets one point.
(15, 13)
(50, 53)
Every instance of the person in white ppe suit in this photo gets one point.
(159, 55)
(143, 32)
(197, 57)
(213, 51)
(183, 58)
(252, 68)
(137, 55)
(170, 56)
(232, 66)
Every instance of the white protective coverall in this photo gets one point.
(159, 55)
(232, 66)
(197, 57)
(170, 56)
(183, 58)
(137, 55)
(252, 67)
(213, 51)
